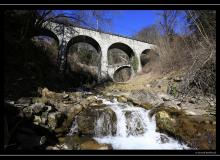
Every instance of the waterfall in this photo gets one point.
(132, 128)
(74, 128)
(135, 130)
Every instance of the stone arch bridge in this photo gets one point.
(67, 35)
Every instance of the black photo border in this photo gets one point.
(195, 153)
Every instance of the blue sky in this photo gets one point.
(129, 22)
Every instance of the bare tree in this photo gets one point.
(148, 34)
(168, 22)
(86, 18)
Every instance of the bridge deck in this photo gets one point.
(92, 29)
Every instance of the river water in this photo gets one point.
(134, 129)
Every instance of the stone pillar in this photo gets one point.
(139, 64)
(138, 55)
(62, 56)
(104, 62)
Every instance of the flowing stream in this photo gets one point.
(134, 129)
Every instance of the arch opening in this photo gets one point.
(47, 33)
(122, 74)
(48, 43)
(119, 54)
(148, 60)
(84, 59)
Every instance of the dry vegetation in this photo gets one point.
(194, 51)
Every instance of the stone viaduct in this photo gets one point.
(67, 35)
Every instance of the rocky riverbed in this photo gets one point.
(71, 120)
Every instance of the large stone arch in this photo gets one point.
(124, 48)
(85, 39)
(93, 71)
(50, 46)
(49, 33)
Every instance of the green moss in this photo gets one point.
(185, 128)
(43, 100)
(165, 123)
(147, 106)
(61, 140)
(172, 89)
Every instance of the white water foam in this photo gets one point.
(136, 130)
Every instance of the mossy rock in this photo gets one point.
(61, 139)
(43, 100)
(172, 111)
(147, 106)
(191, 130)
(165, 123)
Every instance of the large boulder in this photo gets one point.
(71, 113)
(146, 97)
(164, 122)
(196, 131)
(97, 121)
(85, 121)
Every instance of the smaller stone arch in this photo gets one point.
(122, 73)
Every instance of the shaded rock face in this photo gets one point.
(106, 122)
(85, 121)
(194, 130)
(24, 101)
(100, 122)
